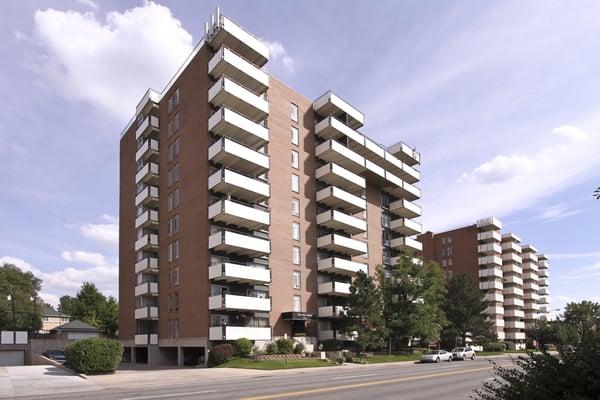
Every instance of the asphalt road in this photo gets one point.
(455, 380)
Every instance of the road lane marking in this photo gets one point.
(351, 377)
(365, 384)
(158, 396)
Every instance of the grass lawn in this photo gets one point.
(390, 358)
(276, 364)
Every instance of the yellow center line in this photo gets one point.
(365, 384)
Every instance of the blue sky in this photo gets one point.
(501, 99)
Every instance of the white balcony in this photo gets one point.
(529, 266)
(147, 265)
(528, 248)
(513, 302)
(511, 258)
(375, 174)
(334, 288)
(332, 128)
(498, 323)
(489, 249)
(530, 275)
(489, 224)
(237, 243)
(240, 186)
(147, 219)
(147, 197)
(513, 291)
(490, 260)
(332, 311)
(148, 102)
(228, 63)
(406, 226)
(406, 244)
(148, 174)
(330, 104)
(241, 273)
(146, 339)
(511, 247)
(513, 335)
(234, 155)
(543, 282)
(233, 124)
(148, 150)
(227, 33)
(148, 242)
(405, 153)
(341, 266)
(339, 221)
(489, 236)
(513, 312)
(543, 262)
(531, 296)
(492, 271)
(239, 303)
(146, 313)
(543, 308)
(494, 310)
(396, 260)
(531, 305)
(401, 189)
(227, 93)
(512, 269)
(148, 128)
(512, 279)
(544, 291)
(544, 273)
(336, 175)
(543, 300)
(491, 285)
(341, 244)
(242, 215)
(406, 209)
(229, 332)
(147, 289)
(335, 197)
(494, 297)
(334, 151)
(527, 256)
(515, 324)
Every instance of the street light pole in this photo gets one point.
(14, 323)
(34, 319)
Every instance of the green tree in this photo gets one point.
(364, 315)
(465, 310)
(91, 306)
(412, 295)
(65, 304)
(109, 317)
(580, 319)
(22, 288)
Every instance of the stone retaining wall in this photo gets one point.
(262, 357)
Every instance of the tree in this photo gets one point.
(412, 295)
(65, 304)
(364, 315)
(21, 312)
(465, 310)
(91, 306)
(597, 193)
(580, 319)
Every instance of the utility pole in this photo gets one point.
(14, 323)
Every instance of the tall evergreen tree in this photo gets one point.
(465, 310)
(364, 314)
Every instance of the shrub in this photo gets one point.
(243, 347)
(285, 346)
(94, 355)
(299, 349)
(509, 345)
(331, 345)
(271, 348)
(494, 347)
(220, 353)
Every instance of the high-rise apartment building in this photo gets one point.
(246, 208)
(505, 271)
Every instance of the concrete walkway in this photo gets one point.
(31, 380)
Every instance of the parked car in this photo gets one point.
(56, 355)
(436, 356)
(462, 353)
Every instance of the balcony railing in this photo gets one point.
(513, 312)
(493, 271)
(494, 310)
(489, 249)
(227, 93)
(239, 302)
(513, 279)
(235, 125)
(146, 313)
(336, 175)
(238, 185)
(494, 297)
(147, 265)
(225, 32)
(529, 266)
(513, 335)
(405, 153)
(229, 63)
(489, 236)
(147, 219)
(148, 102)
(148, 150)
(338, 198)
(490, 260)
(239, 214)
(147, 288)
(513, 291)
(512, 269)
(146, 339)
(148, 242)
(406, 226)
(341, 244)
(330, 104)
(489, 224)
(511, 247)
(332, 311)
(228, 332)
(329, 334)
(334, 151)
(238, 243)
(406, 244)
(401, 189)
(338, 221)
(334, 288)
(148, 128)
(241, 273)
(148, 174)
(511, 258)
(231, 154)
(405, 209)
(513, 302)
(491, 285)
(147, 197)
(341, 266)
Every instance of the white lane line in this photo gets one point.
(158, 396)
(352, 376)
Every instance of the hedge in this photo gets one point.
(494, 347)
(285, 346)
(219, 354)
(243, 347)
(94, 355)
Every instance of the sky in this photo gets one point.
(500, 98)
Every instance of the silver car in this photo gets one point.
(462, 353)
(436, 356)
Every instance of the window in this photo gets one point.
(170, 153)
(170, 104)
(297, 304)
(175, 301)
(176, 250)
(294, 112)
(295, 159)
(175, 172)
(177, 96)
(170, 252)
(386, 218)
(176, 224)
(295, 231)
(295, 183)
(176, 122)
(449, 262)
(175, 276)
(443, 263)
(296, 255)
(295, 136)
(296, 279)
(296, 207)
(173, 199)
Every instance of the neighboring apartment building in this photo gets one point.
(246, 208)
(52, 319)
(504, 270)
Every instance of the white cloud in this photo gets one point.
(557, 212)
(88, 3)
(499, 169)
(84, 257)
(575, 255)
(107, 233)
(68, 280)
(109, 63)
(279, 53)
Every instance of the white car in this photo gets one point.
(436, 356)
(462, 353)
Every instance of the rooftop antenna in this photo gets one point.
(206, 28)
(212, 20)
(218, 13)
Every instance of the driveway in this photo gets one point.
(31, 380)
